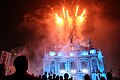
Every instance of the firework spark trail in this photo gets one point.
(63, 12)
(76, 11)
(66, 23)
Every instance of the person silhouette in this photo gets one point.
(86, 77)
(66, 76)
(61, 77)
(44, 77)
(109, 76)
(21, 66)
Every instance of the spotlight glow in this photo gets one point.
(73, 71)
(62, 71)
(59, 20)
(85, 71)
(52, 53)
(71, 54)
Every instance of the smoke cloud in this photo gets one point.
(41, 35)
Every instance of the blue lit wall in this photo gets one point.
(75, 62)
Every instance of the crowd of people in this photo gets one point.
(21, 66)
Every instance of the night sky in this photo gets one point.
(12, 15)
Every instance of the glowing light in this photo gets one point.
(76, 11)
(73, 71)
(84, 11)
(85, 71)
(52, 53)
(81, 18)
(84, 53)
(62, 71)
(93, 51)
(63, 12)
(60, 54)
(67, 14)
(71, 54)
(59, 20)
(66, 22)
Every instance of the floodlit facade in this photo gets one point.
(76, 60)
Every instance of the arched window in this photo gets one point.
(52, 67)
(94, 66)
(72, 65)
(62, 65)
(84, 67)
(84, 64)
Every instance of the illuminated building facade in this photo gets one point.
(73, 58)
(76, 60)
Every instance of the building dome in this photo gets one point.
(72, 49)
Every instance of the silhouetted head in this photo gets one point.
(21, 63)
(45, 73)
(54, 75)
(61, 77)
(102, 78)
(86, 77)
(66, 76)
(109, 75)
(57, 77)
